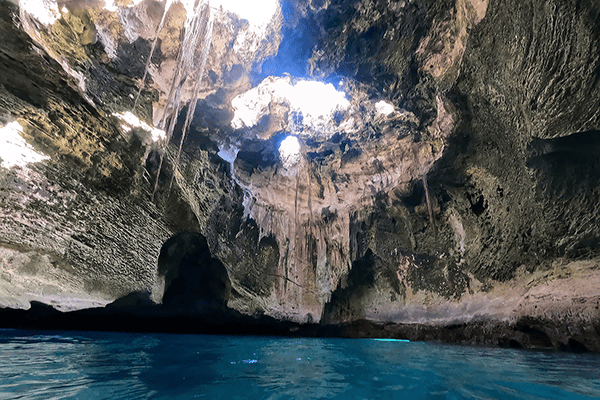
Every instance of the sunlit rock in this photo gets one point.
(45, 11)
(14, 150)
(130, 122)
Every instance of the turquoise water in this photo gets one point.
(89, 365)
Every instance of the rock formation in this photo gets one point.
(443, 176)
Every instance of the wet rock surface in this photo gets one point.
(468, 213)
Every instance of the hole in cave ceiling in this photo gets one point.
(289, 151)
(315, 101)
(311, 109)
(384, 108)
(256, 12)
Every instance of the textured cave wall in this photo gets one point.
(548, 89)
(536, 194)
(477, 199)
(77, 229)
(83, 228)
(107, 52)
(516, 192)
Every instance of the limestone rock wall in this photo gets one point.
(516, 189)
(77, 229)
(475, 199)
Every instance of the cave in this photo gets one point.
(424, 170)
(192, 277)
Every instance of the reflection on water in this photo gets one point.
(69, 365)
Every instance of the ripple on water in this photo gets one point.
(142, 366)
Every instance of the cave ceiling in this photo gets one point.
(270, 71)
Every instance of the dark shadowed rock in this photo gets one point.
(193, 278)
(133, 300)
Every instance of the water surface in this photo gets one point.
(89, 365)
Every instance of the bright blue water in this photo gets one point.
(78, 365)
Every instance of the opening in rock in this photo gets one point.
(289, 151)
(316, 102)
(194, 280)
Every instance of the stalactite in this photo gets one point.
(192, 107)
(158, 30)
(185, 61)
(429, 207)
